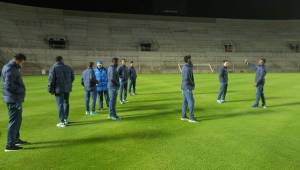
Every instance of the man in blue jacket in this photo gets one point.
(223, 78)
(60, 82)
(88, 81)
(259, 81)
(123, 76)
(187, 86)
(13, 90)
(132, 77)
(113, 86)
(101, 77)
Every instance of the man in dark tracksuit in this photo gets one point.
(113, 86)
(223, 77)
(13, 90)
(88, 81)
(60, 82)
(132, 77)
(187, 86)
(102, 91)
(259, 81)
(123, 77)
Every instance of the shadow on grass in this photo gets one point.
(285, 104)
(138, 135)
(232, 115)
(252, 99)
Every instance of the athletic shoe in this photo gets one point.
(12, 148)
(254, 107)
(21, 142)
(87, 113)
(264, 107)
(61, 125)
(93, 113)
(184, 119)
(193, 121)
(121, 102)
(219, 101)
(115, 118)
(133, 94)
(66, 122)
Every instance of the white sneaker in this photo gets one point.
(264, 107)
(66, 122)
(192, 121)
(87, 113)
(219, 101)
(121, 102)
(61, 125)
(184, 119)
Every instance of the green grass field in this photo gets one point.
(151, 134)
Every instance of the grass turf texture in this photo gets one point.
(151, 134)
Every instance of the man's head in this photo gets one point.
(187, 59)
(99, 64)
(226, 63)
(262, 61)
(131, 63)
(59, 59)
(115, 61)
(123, 61)
(91, 65)
(20, 59)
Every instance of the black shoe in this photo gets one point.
(12, 148)
(21, 142)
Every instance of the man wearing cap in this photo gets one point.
(101, 77)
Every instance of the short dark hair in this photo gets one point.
(115, 59)
(224, 61)
(91, 64)
(187, 58)
(20, 57)
(263, 59)
(131, 62)
(59, 58)
(123, 59)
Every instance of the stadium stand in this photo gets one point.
(155, 43)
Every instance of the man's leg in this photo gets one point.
(221, 91)
(66, 106)
(60, 106)
(191, 102)
(258, 95)
(121, 91)
(263, 97)
(12, 129)
(94, 98)
(111, 102)
(106, 96)
(134, 84)
(130, 86)
(184, 104)
(87, 100)
(125, 90)
(19, 120)
(100, 93)
(224, 92)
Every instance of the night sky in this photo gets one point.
(249, 9)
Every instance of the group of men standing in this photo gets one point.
(188, 85)
(105, 83)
